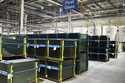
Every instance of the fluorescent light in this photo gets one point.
(1, 1)
(54, 2)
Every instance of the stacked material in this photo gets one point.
(57, 56)
(82, 45)
(98, 48)
(81, 56)
(18, 71)
(12, 45)
(15, 67)
(113, 49)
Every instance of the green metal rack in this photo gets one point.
(60, 60)
(18, 71)
(10, 44)
(14, 69)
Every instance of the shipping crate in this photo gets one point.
(56, 70)
(98, 48)
(18, 71)
(12, 45)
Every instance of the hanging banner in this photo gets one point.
(70, 5)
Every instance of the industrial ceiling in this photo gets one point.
(46, 11)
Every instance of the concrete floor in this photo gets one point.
(100, 72)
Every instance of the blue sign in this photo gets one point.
(70, 5)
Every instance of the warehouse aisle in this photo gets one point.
(100, 72)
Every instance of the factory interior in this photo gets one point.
(62, 41)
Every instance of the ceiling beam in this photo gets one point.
(93, 1)
(29, 10)
(4, 3)
(99, 5)
(45, 8)
(111, 4)
(107, 9)
(29, 1)
(38, 7)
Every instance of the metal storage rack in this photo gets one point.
(81, 55)
(14, 64)
(55, 63)
(64, 59)
(18, 71)
(98, 48)
(13, 45)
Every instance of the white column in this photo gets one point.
(25, 23)
(69, 22)
(21, 17)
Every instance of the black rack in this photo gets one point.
(14, 61)
(57, 57)
(13, 46)
(98, 48)
(41, 46)
(82, 47)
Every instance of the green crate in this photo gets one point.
(18, 71)
(12, 45)
(57, 71)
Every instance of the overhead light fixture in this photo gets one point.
(1, 1)
(82, 0)
(56, 3)
(50, 4)
(42, 7)
(123, 4)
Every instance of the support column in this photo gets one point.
(25, 23)
(23, 29)
(25, 32)
(102, 30)
(70, 22)
(1, 41)
(55, 25)
(21, 17)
